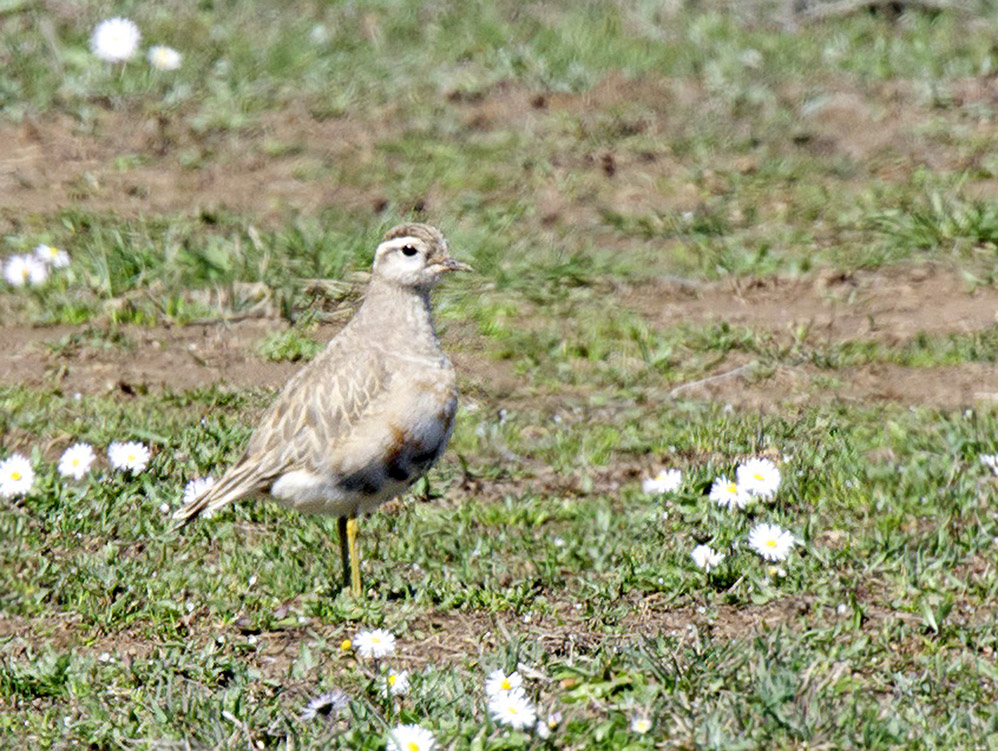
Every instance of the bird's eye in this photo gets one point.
(408, 250)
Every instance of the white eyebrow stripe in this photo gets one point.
(401, 242)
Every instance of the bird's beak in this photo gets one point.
(452, 264)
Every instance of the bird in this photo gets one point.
(369, 415)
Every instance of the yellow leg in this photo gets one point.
(354, 556)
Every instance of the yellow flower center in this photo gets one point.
(15, 475)
(770, 543)
(131, 457)
(76, 462)
(505, 685)
(413, 746)
(346, 645)
(732, 488)
(391, 679)
(758, 476)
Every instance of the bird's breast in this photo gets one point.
(417, 438)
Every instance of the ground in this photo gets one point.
(698, 237)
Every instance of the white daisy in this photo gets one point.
(164, 58)
(411, 738)
(751, 58)
(725, 492)
(16, 476)
(22, 270)
(76, 460)
(758, 477)
(498, 682)
(54, 257)
(374, 644)
(197, 488)
(666, 481)
(397, 683)
(640, 724)
(512, 708)
(318, 34)
(771, 541)
(327, 705)
(544, 728)
(115, 40)
(990, 461)
(131, 456)
(706, 557)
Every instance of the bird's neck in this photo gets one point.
(400, 316)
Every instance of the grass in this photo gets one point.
(901, 545)
(290, 345)
(602, 166)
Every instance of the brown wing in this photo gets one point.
(302, 429)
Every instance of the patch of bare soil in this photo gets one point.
(131, 164)
(147, 358)
(871, 128)
(890, 307)
(738, 382)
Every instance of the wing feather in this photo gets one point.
(304, 427)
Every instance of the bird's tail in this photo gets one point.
(237, 483)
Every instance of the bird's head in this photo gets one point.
(414, 255)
